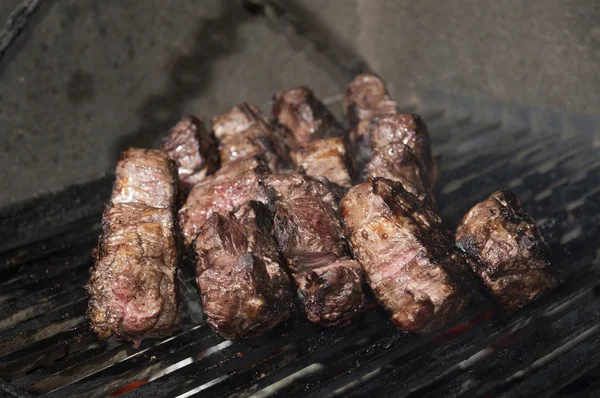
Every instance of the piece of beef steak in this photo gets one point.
(244, 290)
(310, 238)
(407, 255)
(193, 149)
(300, 112)
(132, 287)
(327, 158)
(145, 176)
(506, 250)
(234, 184)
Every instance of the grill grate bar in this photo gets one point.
(291, 347)
(473, 338)
(545, 379)
(505, 357)
(402, 375)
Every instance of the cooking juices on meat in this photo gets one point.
(327, 158)
(132, 286)
(388, 143)
(301, 113)
(244, 290)
(310, 238)
(407, 255)
(193, 149)
(401, 151)
(242, 131)
(321, 149)
(366, 97)
(506, 250)
(234, 184)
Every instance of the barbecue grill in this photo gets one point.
(551, 346)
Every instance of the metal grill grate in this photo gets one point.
(47, 349)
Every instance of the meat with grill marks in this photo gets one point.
(194, 151)
(366, 97)
(310, 238)
(327, 158)
(408, 257)
(242, 132)
(506, 250)
(132, 288)
(234, 184)
(401, 151)
(301, 113)
(245, 292)
(145, 176)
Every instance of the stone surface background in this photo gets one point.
(88, 78)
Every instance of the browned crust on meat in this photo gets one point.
(193, 149)
(327, 158)
(506, 250)
(132, 287)
(145, 176)
(407, 255)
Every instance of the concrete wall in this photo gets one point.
(88, 78)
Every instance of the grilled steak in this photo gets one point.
(299, 111)
(398, 162)
(145, 176)
(506, 249)
(193, 149)
(234, 184)
(326, 158)
(244, 290)
(401, 152)
(310, 237)
(132, 286)
(242, 132)
(366, 97)
(410, 130)
(285, 187)
(407, 255)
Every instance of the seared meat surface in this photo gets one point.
(402, 152)
(300, 112)
(407, 255)
(132, 286)
(242, 132)
(410, 130)
(244, 290)
(310, 237)
(234, 184)
(506, 249)
(366, 97)
(398, 162)
(145, 176)
(193, 149)
(327, 158)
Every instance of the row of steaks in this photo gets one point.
(277, 224)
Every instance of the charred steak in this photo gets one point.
(407, 255)
(402, 152)
(300, 112)
(132, 286)
(244, 290)
(366, 97)
(193, 149)
(242, 131)
(234, 184)
(327, 158)
(310, 237)
(145, 176)
(506, 249)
